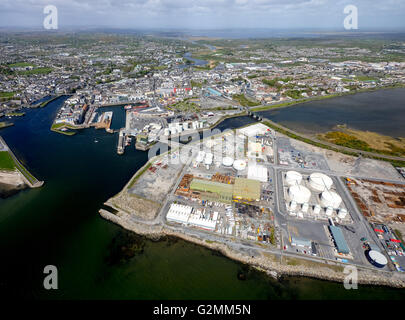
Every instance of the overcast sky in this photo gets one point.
(205, 14)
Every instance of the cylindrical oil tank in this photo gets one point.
(377, 258)
(239, 164)
(342, 213)
(329, 211)
(299, 194)
(293, 178)
(320, 182)
(331, 199)
(227, 161)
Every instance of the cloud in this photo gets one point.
(204, 13)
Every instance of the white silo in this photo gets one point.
(166, 131)
(208, 158)
(239, 165)
(342, 213)
(305, 207)
(173, 130)
(317, 209)
(201, 124)
(329, 211)
(299, 194)
(293, 178)
(185, 126)
(331, 199)
(200, 156)
(227, 161)
(293, 205)
(320, 182)
(193, 125)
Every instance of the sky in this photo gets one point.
(205, 14)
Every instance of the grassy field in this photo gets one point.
(4, 124)
(15, 114)
(366, 140)
(42, 70)
(245, 102)
(57, 128)
(7, 95)
(6, 162)
(21, 65)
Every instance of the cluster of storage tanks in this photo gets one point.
(318, 182)
(177, 127)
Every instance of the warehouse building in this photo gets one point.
(257, 172)
(246, 189)
(212, 191)
(179, 213)
(341, 244)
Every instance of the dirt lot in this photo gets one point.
(350, 165)
(380, 201)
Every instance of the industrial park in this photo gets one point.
(239, 188)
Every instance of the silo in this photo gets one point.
(239, 165)
(331, 199)
(166, 131)
(377, 258)
(293, 205)
(320, 182)
(227, 161)
(305, 207)
(185, 126)
(342, 213)
(299, 194)
(329, 211)
(293, 178)
(317, 209)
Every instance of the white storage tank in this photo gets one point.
(293, 205)
(227, 161)
(185, 125)
(329, 211)
(166, 131)
(299, 194)
(342, 213)
(239, 165)
(293, 178)
(331, 199)
(305, 207)
(317, 209)
(377, 258)
(208, 158)
(320, 182)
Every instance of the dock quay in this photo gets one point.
(28, 178)
(104, 121)
(121, 142)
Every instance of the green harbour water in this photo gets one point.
(59, 225)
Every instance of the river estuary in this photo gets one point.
(59, 225)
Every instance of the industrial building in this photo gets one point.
(341, 244)
(179, 213)
(212, 191)
(257, 172)
(246, 189)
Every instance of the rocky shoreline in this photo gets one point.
(267, 264)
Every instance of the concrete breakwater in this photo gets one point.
(266, 263)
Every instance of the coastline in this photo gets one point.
(286, 104)
(262, 263)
